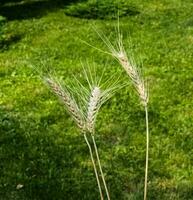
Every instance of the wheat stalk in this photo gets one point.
(97, 98)
(93, 107)
(100, 167)
(138, 83)
(94, 165)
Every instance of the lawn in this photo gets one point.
(42, 154)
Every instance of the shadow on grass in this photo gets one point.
(8, 41)
(19, 10)
(34, 166)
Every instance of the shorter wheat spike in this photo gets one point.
(70, 104)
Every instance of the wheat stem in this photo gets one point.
(94, 166)
(147, 152)
(143, 95)
(93, 106)
(100, 167)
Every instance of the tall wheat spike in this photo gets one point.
(138, 83)
(129, 66)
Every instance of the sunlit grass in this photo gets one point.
(40, 149)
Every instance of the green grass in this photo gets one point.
(40, 147)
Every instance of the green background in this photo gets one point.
(40, 146)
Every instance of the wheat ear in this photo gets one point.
(134, 74)
(119, 54)
(69, 102)
(93, 107)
